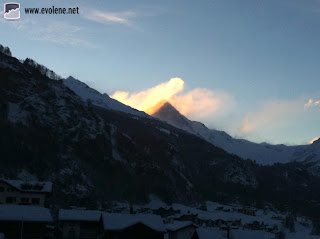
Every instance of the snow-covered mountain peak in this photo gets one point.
(166, 112)
(162, 106)
(263, 153)
(99, 99)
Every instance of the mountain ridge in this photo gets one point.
(103, 100)
(263, 153)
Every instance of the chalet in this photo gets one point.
(205, 220)
(273, 229)
(188, 217)
(224, 227)
(77, 223)
(24, 192)
(163, 212)
(20, 221)
(236, 223)
(255, 225)
(247, 211)
(219, 208)
(182, 230)
(220, 222)
(132, 226)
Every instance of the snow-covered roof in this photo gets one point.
(30, 186)
(177, 225)
(118, 221)
(79, 215)
(24, 213)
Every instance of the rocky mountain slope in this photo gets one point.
(93, 154)
(264, 154)
(102, 100)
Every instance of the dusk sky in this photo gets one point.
(250, 68)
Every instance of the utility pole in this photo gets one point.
(21, 235)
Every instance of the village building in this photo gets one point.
(25, 192)
(247, 211)
(21, 221)
(182, 230)
(188, 217)
(132, 226)
(77, 223)
(165, 212)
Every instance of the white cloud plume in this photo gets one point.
(201, 103)
(196, 104)
(148, 98)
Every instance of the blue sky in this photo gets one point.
(255, 62)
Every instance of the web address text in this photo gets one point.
(52, 10)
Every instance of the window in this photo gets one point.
(24, 200)
(11, 199)
(1, 189)
(35, 200)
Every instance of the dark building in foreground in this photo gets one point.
(20, 221)
(76, 224)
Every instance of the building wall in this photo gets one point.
(7, 191)
(70, 230)
(12, 229)
(183, 233)
(81, 230)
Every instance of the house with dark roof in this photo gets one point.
(78, 223)
(133, 226)
(182, 230)
(24, 192)
(20, 221)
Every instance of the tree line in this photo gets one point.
(5, 50)
(42, 69)
(29, 62)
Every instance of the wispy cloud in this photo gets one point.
(62, 33)
(312, 103)
(58, 32)
(105, 17)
